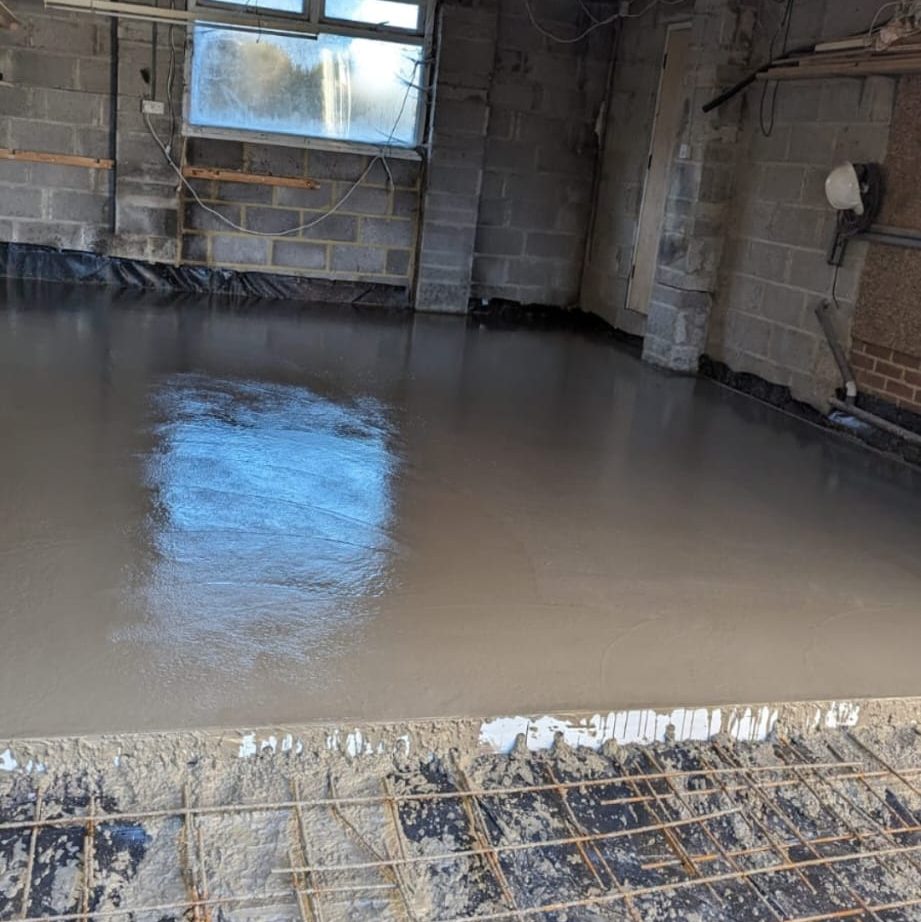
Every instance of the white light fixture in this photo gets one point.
(842, 188)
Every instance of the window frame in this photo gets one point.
(310, 23)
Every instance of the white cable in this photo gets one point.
(885, 6)
(292, 231)
(245, 230)
(597, 24)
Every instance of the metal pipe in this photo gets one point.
(893, 236)
(844, 366)
(878, 421)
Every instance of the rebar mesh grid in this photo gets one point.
(797, 840)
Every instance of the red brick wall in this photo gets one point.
(887, 373)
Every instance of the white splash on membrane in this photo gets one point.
(644, 726)
(9, 763)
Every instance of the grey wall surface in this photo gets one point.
(501, 210)
(632, 100)
(541, 151)
(774, 270)
(748, 218)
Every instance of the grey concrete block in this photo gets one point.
(812, 144)
(94, 75)
(861, 143)
(461, 180)
(15, 171)
(20, 202)
(767, 260)
(218, 154)
(318, 199)
(490, 270)
(553, 246)
(196, 218)
(270, 220)
(461, 115)
(798, 102)
(406, 204)
(239, 250)
(339, 227)
(363, 199)
(298, 255)
(524, 271)
(245, 193)
(448, 236)
(146, 221)
(16, 100)
(324, 164)
(96, 142)
(405, 173)
(55, 176)
(509, 155)
(61, 236)
(87, 109)
(840, 100)
(398, 262)
(442, 298)
(344, 258)
(52, 137)
(499, 241)
(793, 349)
(748, 333)
(452, 208)
(39, 68)
(275, 160)
(393, 232)
(809, 270)
(195, 248)
(466, 63)
(86, 207)
(783, 305)
(533, 213)
(780, 182)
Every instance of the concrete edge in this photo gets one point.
(635, 726)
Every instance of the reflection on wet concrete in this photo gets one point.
(216, 515)
(270, 520)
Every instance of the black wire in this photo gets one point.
(834, 286)
(767, 125)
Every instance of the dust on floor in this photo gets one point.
(804, 826)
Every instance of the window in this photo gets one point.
(339, 70)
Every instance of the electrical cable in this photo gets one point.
(596, 23)
(772, 86)
(293, 231)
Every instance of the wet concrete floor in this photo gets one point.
(238, 516)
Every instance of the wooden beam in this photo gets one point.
(257, 179)
(840, 69)
(40, 156)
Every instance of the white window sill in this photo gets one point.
(305, 143)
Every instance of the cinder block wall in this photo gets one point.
(774, 271)
(777, 226)
(55, 97)
(371, 237)
(541, 152)
(631, 108)
(524, 217)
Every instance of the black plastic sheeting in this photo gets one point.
(26, 261)
(779, 396)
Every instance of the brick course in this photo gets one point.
(887, 373)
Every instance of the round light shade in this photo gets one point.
(842, 189)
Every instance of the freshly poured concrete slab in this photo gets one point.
(237, 517)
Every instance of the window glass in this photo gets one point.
(375, 12)
(333, 86)
(283, 6)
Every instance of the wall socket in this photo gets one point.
(153, 107)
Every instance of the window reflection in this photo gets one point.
(272, 509)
